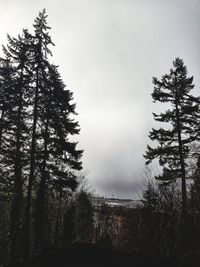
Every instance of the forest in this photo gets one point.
(47, 215)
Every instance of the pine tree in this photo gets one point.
(53, 157)
(36, 155)
(40, 42)
(16, 130)
(6, 72)
(59, 157)
(6, 99)
(69, 224)
(150, 197)
(83, 218)
(181, 117)
(195, 191)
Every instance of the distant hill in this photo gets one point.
(116, 202)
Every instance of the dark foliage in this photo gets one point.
(37, 159)
(90, 255)
(182, 117)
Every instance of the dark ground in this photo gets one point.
(88, 255)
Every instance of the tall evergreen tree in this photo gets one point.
(52, 155)
(6, 82)
(181, 117)
(40, 42)
(57, 156)
(16, 131)
(7, 78)
(36, 155)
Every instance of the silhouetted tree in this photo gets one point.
(6, 99)
(195, 207)
(57, 157)
(195, 189)
(182, 116)
(150, 197)
(40, 42)
(37, 159)
(161, 219)
(69, 225)
(83, 218)
(6, 82)
(151, 201)
(15, 145)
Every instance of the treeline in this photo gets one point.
(38, 162)
(154, 230)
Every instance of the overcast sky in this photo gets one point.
(108, 51)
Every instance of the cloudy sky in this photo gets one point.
(108, 51)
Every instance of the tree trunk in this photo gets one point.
(27, 227)
(180, 146)
(57, 224)
(41, 211)
(1, 123)
(183, 180)
(16, 213)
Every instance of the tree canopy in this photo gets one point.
(181, 120)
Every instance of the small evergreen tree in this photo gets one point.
(69, 225)
(195, 205)
(161, 219)
(83, 218)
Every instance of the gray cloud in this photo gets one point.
(119, 188)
